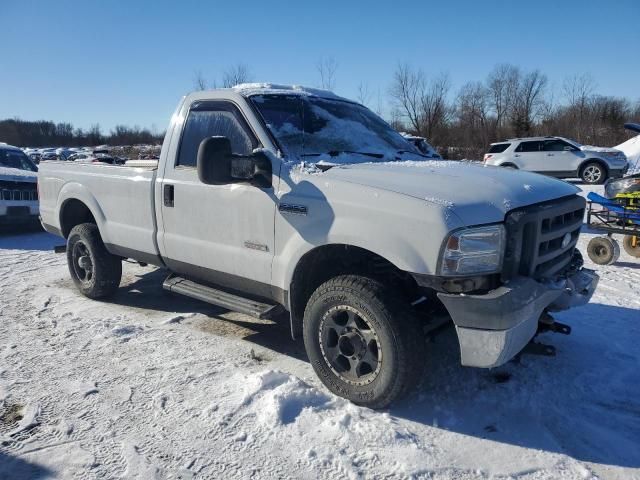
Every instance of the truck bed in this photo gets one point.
(120, 198)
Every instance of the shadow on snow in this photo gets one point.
(583, 403)
(19, 469)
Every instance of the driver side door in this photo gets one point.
(221, 234)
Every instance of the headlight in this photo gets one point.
(473, 251)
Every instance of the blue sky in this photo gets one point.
(128, 62)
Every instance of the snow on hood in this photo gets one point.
(15, 174)
(591, 148)
(475, 193)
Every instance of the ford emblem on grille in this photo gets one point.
(566, 240)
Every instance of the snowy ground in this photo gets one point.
(155, 385)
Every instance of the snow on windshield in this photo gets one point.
(321, 130)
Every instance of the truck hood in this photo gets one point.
(17, 175)
(477, 194)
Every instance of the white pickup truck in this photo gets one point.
(270, 199)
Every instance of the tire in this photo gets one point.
(603, 250)
(627, 244)
(357, 316)
(93, 269)
(593, 173)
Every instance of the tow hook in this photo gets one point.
(548, 324)
(536, 348)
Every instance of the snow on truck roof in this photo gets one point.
(249, 89)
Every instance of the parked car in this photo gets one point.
(49, 156)
(362, 253)
(18, 194)
(558, 157)
(79, 156)
(422, 145)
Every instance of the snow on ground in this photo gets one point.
(153, 385)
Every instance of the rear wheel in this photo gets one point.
(363, 342)
(93, 269)
(593, 173)
(603, 250)
(631, 244)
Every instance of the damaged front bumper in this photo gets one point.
(494, 327)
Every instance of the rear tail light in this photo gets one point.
(486, 157)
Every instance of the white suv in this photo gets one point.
(558, 157)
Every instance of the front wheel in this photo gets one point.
(362, 340)
(603, 250)
(93, 269)
(593, 173)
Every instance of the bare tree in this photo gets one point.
(327, 69)
(473, 112)
(502, 85)
(364, 94)
(407, 90)
(236, 75)
(578, 89)
(528, 101)
(435, 109)
(199, 82)
(379, 102)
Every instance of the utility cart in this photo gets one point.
(612, 217)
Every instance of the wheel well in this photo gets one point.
(73, 213)
(325, 262)
(509, 164)
(593, 160)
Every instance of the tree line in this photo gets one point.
(509, 103)
(23, 133)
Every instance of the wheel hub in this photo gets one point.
(350, 345)
(82, 263)
(592, 173)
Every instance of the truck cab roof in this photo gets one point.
(249, 89)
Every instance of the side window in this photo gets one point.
(210, 120)
(528, 147)
(555, 146)
(499, 147)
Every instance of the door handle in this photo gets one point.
(168, 195)
(549, 154)
(517, 155)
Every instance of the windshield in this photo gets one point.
(325, 129)
(16, 159)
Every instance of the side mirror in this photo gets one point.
(218, 166)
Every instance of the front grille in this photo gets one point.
(535, 237)
(18, 191)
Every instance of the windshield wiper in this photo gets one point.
(414, 153)
(335, 153)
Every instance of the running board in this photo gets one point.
(220, 298)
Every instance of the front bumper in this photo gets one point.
(618, 172)
(494, 327)
(16, 212)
